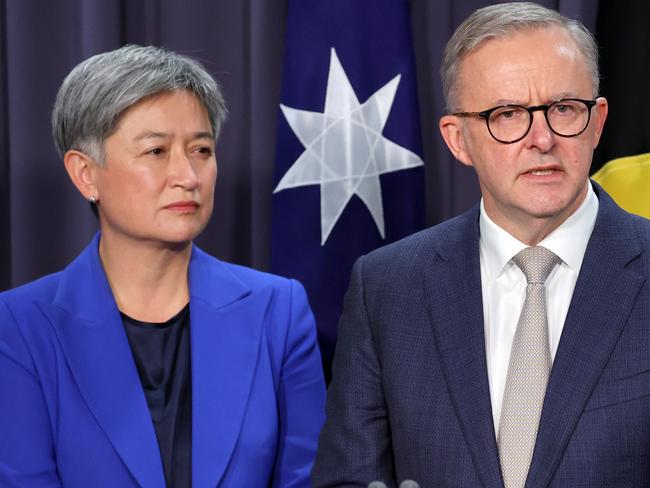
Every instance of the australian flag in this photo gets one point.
(349, 175)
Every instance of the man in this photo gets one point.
(509, 346)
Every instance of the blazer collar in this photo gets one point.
(214, 282)
(88, 324)
(603, 299)
(452, 282)
(226, 318)
(84, 290)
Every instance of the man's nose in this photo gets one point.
(540, 134)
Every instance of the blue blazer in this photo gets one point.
(410, 396)
(73, 412)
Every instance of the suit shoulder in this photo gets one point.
(256, 278)
(643, 226)
(43, 288)
(437, 237)
(249, 277)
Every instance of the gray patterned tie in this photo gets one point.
(528, 370)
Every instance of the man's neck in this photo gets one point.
(529, 229)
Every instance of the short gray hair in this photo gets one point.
(100, 89)
(499, 21)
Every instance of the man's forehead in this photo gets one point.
(512, 66)
(504, 44)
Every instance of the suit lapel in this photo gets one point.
(90, 330)
(226, 323)
(602, 301)
(453, 288)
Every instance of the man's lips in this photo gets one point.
(184, 205)
(543, 171)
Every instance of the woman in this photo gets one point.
(147, 362)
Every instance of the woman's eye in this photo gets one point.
(205, 150)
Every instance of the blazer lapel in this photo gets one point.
(602, 301)
(89, 328)
(453, 287)
(226, 322)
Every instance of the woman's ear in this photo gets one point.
(81, 169)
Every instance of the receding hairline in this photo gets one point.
(509, 34)
(502, 20)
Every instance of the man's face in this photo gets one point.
(531, 186)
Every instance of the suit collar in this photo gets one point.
(213, 282)
(87, 322)
(452, 283)
(226, 319)
(84, 290)
(603, 298)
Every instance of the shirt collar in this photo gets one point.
(568, 241)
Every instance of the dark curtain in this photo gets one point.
(5, 224)
(44, 223)
(624, 41)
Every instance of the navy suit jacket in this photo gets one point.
(73, 412)
(410, 396)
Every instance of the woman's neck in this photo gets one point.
(149, 280)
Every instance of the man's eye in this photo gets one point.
(564, 108)
(156, 151)
(507, 114)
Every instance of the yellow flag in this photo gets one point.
(627, 180)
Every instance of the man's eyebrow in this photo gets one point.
(562, 96)
(551, 99)
(508, 101)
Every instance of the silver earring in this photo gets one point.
(93, 200)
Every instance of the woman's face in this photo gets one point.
(157, 183)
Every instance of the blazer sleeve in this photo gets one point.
(354, 447)
(301, 396)
(26, 440)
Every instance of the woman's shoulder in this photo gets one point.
(24, 296)
(248, 276)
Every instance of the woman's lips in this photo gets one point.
(183, 206)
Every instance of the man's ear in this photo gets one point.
(81, 169)
(452, 132)
(599, 116)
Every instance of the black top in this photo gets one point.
(162, 356)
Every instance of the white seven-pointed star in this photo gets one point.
(345, 151)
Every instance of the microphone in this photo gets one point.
(403, 484)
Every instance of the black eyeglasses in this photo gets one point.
(510, 123)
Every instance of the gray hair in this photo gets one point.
(100, 89)
(499, 21)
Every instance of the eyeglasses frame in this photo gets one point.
(485, 114)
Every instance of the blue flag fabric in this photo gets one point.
(348, 170)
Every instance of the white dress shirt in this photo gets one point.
(503, 286)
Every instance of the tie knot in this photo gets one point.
(536, 263)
